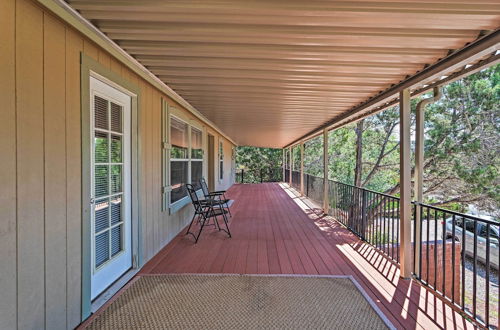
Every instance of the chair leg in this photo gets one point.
(225, 222)
(201, 228)
(191, 223)
(227, 205)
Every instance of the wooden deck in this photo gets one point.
(276, 232)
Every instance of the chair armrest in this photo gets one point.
(219, 192)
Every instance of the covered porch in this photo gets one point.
(275, 231)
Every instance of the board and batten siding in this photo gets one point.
(40, 167)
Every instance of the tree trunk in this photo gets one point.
(359, 153)
(356, 193)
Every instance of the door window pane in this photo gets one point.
(180, 139)
(101, 177)
(116, 240)
(116, 210)
(101, 248)
(100, 113)
(116, 149)
(178, 179)
(101, 215)
(101, 147)
(116, 179)
(116, 118)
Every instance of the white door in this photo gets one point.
(110, 185)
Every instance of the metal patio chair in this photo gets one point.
(216, 195)
(205, 209)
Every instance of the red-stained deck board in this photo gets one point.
(274, 232)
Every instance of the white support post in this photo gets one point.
(283, 162)
(405, 184)
(326, 203)
(419, 171)
(302, 168)
(290, 154)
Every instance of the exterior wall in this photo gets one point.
(40, 168)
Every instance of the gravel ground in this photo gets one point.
(481, 290)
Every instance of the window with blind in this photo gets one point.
(221, 161)
(186, 158)
(179, 159)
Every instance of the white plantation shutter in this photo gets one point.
(108, 180)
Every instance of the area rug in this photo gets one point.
(193, 301)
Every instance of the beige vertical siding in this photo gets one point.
(40, 167)
(8, 211)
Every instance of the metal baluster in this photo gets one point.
(463, 263)
(474, 278)
(427, 246)
(421, 210)
(435, 249)
(487, 293)
(444, 253)
(453, 259)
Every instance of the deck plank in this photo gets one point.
(275, 232)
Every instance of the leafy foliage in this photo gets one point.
(462, 147)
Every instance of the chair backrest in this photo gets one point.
(204, 187)
(193, 196)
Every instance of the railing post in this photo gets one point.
(363, 214)
(261, 175)
(307, 185)
(326, 202)
(290, 154)
(302, 168)
(242, 175)
(405, 183)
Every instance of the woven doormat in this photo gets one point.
(241, 302)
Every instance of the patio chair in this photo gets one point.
(204, 210)
(216, 195)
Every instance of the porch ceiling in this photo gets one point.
(268, 72)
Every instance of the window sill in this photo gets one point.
(177, 205)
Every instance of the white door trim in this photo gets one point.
(103, 275)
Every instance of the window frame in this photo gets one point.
(221, 160)
(169, 113)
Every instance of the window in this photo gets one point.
(179, 159)
(186, 158)
(196, 157)
(469, 225)
(221, 161)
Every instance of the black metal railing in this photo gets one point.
(314, 187)
(371, 215)
(454, 254)
(457, 256)
(296, 179)
(260, 175)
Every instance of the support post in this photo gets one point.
(419, 171)
(405, 184)
(283, 162)
(302, 168)
(290, 165)
(326, 203)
